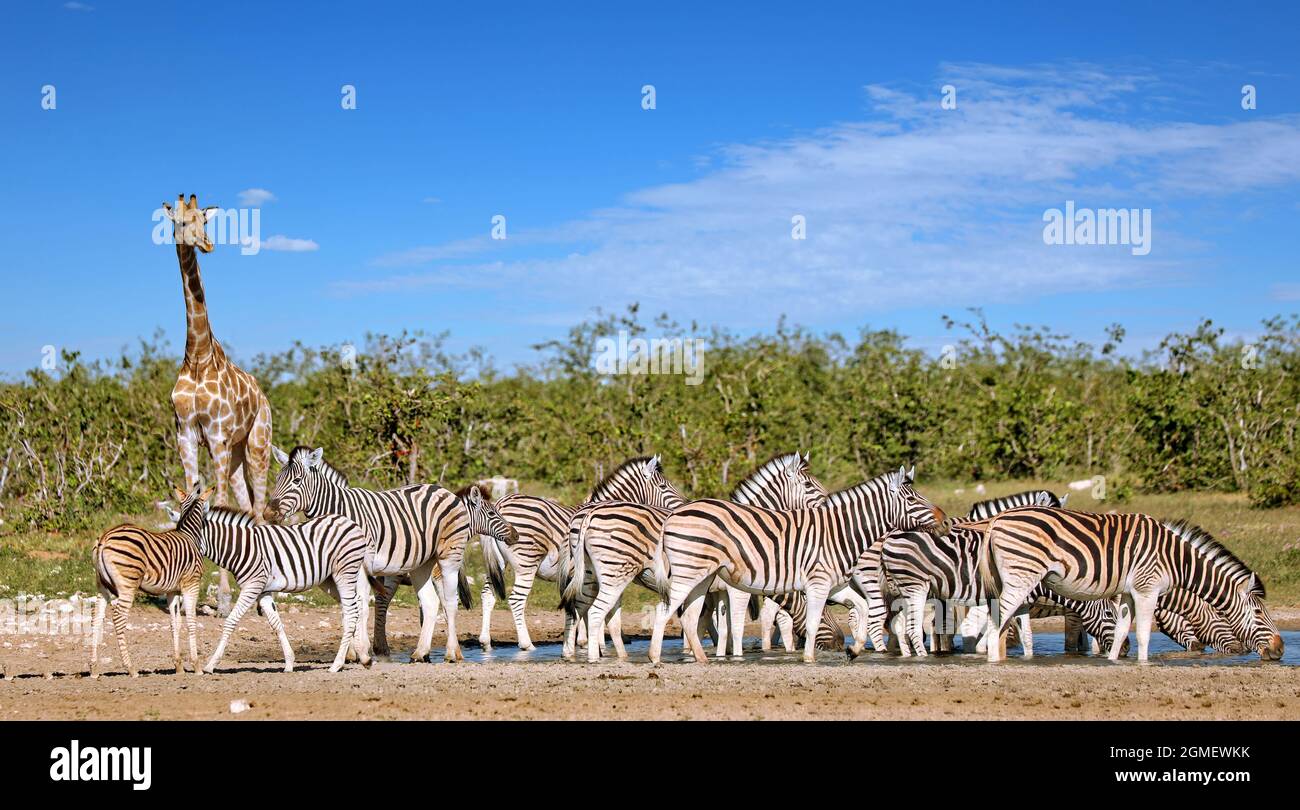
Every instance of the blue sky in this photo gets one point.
(533, 111)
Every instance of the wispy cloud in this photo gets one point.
(288, 244)
(252, 197)
(911, 205)
(74, 6)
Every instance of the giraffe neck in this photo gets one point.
(200, 348)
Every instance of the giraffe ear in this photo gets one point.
(281, 457)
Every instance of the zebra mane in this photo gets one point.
(758, 480)
(464, 492)
(1029, 497)
(840, 497)
(226, 516)
(331, 473)
(622, 471)
(1214, 551)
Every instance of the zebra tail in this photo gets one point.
(989, 578)
(574, 551)
(495, 564)
(462, 587)
(755, 609)
(103, 572)
(659, 567)
(377, 585)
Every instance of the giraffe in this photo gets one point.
(217, 404)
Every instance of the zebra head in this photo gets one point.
(640, 480)
(661, 491)
(192, 516)
(485, 519)
(914, 510)
(298, 470)
(1267, 639)
(782, 482)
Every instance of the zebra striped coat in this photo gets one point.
(776, 551)
(1188, 620)
(413, 530)
(618, 539)
(918, 565)
(328, 551)
(129, 559)
(1089, 556)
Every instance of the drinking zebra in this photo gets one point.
(543, 527)
(776, 551)
(328, 551)
(1134, 556)
(129, 559)
(413, 530)
(1188, 620)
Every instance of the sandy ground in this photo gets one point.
(47, 681)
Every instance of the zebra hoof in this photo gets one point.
(289, 668)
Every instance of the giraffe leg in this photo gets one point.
(220, 452)
(238, 482)
(257, 459)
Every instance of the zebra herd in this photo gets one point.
(900, 565)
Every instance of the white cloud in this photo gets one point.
(74, 6)
(253, 197)
(290, 245)
(433, 200)
(911, 206)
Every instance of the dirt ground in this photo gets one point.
(47, 680)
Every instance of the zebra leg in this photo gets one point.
(450, 575)
(267, 604)
(426, 591)
(738, 602)
(1026, 635)
(766, 621)
(248, 594)
(915, 626)
(785, 623)
(1123, 620)
(606, 597)
(858, 609)
(1073, 632)
(488, 601)
(679, 590)
(1014, 594)
(174, 608)
(1144, 611)
(122, 609)
(690, 624)
(615, 625)
(97, 632)
(381, 616)
(525, 571)
(715, 628)
(816, 595)
(349, 599)
(190, 598)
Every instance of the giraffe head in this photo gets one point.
(189, 221)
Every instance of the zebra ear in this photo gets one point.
(281, 457)
(805, 457)
(315, 456)
(475, 496)
(172, 514)
(911, 474)
(1063, 497)
(179, 494)
(653, 465)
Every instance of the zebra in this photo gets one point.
(1135, 556)
(916, 565)
(781, 482)
(618, 539)
(543, 527)
(1189, 621)
(129, 559)
(329, 551)
(791, 612)
(620, 542)
(775, 551)
(412, 530)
